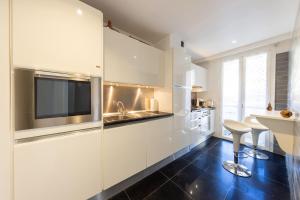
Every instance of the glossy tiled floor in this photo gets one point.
(200, 175)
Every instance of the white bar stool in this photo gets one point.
(237, 129)
(257, 129)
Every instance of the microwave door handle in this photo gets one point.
(46, 74)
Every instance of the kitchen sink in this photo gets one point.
(116, 118)
(128, 116)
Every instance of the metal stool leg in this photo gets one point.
(233, 166)
(254, 152)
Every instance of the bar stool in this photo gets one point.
(237, 129)
(257, 129)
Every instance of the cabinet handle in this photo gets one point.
(99, 67)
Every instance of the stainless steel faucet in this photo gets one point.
(121, 108)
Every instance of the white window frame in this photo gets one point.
(270, 87)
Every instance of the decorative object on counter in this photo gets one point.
(153, 105)
(269, 108)
(210, 103)
(286, 113)
(198, 102)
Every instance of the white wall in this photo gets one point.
(5, 136)
(215, 76)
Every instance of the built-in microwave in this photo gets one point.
(46, 99)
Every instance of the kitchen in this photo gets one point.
(92, 111)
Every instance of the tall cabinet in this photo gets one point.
(61, 36)
(181, 98)
(57, 35)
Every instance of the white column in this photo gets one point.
(5, 135)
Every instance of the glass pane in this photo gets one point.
(231, 80)
(61, 98)
(255, 88)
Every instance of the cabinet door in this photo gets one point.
(62, 167)
(181, 122)
(212, 121)
(124, 153)
(181, 68)
(159, 142)
(130, 61)
(199, 76)
(57, 35)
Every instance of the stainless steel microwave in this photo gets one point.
(46, 99)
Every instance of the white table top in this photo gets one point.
(273, 115)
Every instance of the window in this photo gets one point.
(245, 86)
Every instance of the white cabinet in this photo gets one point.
(159, 140)
(57, 35)
(181, 121)
(199, 77)
(63, 167)
(124, 153)
(181, 99)
(181, 68)
(212, 121)
(127, 60)
(129, 149)
(196, 134)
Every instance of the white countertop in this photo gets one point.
(273, 115)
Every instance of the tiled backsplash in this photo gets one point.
(132, 97)
(282, 81)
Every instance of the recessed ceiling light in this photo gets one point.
(79, 12)
(233, 41)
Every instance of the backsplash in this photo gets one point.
(132, 97)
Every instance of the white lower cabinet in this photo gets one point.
(124, 152)
(62, 168)
(212, 121)
(181, 120)
(129, 149)
(159, 140)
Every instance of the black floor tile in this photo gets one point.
(257, 184)
(169, 191)
(174, 167)
(120, 196)
(271, 169)
(200, 185)
(201, 148)
(146, 186)
(205, 160)
(235, 194)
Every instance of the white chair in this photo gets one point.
(257, 129)
(237, 129)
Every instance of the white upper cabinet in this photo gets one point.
(199, 77)
(57, 35)
(127, 60)
(181, 68)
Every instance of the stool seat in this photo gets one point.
(236, 127)
(254, 124)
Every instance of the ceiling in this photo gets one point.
(208, 27)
